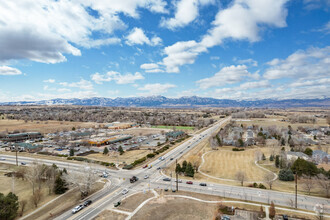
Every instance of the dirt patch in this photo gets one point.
(175, 208)
(108, 214)
(132, 202)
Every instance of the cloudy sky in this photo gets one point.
(226, 49)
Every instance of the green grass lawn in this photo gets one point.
(176, 127)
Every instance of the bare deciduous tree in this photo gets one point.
(307, 183)
(269, 179)
(83, 180)
(241, 177)
(22, 205)
(36, 197)
(324, 183)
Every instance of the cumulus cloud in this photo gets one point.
(82, 84)
(186, 12)
(242, 20)
(60, 27)
(151, 68)
(156, 88)
(117, 77)
(227, 75)
(311, 63)
(137, 36)
(49, 81)
(9, 71)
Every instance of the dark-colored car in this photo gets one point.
(23, 163)
(133, 179)
(171, 158)
(166, 190)
(203, 184)
(189, 182)
(158, 168)
(167, 179)
(173, 190)
(87, 202)
(285, 217)
(117, 204)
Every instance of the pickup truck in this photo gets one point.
(133, 179)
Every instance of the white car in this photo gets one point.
(2, 158)
(77, 209)
(146, 177)
(125, 191)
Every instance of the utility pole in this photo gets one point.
(177, 180)
(296, 188)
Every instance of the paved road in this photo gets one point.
(113, 194)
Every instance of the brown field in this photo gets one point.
(108, 214)
(114, 157)
(132, 202)
(42, 126)
(266, 122)
(178, 208)
(144, 131)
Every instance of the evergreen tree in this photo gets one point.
(178, 168)
(272, 210)
(277, 161)
(286, 175)
(189, 170)
(301, 166)
(71, 152)
(271, 158)
(184, 166)
(8, 206)
(120, 150)
(60, 186)
(65, 171)
(106, 151)
(308, 151)
(263, 157)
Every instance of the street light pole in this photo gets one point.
(177, 181)
(16, 156)
(296, 189)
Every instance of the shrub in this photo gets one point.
(128, 167)
(286, 175)
(261, 186)
(238, 149)
(151, 155)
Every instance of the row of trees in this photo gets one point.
(186, 168)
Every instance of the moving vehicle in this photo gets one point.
(162, 158)
(189, 182)
(146, 177)
(203, 184)
(116, 204)
(77, 209)
(2, 158)
(23, 163)
(173, 190)
(145, 166)
(133, 179)
(158, 168)
(125, 191)
(150, 167)
(167, 179)
(87, 203)
(166, 190)
(171, 158)
(179, 181)
(181, 152)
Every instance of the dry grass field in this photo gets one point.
(178, 208)
(108, 214)
(114, 157)
(225, 163)
(132, 202)
(144, 131)
(41, 126)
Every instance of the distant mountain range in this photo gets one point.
(183, 102)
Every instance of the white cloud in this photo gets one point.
(137, 36)
(9, 71)
(186, 12)
(117, 77)
(151, 68)
(49, 81)
(317, 82)
(250, 62)
(82, 84)
(58, 25)
(227, 75)
(242, 20)
(156, 88)
(312, 63)
(214, 58)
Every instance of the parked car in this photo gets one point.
(87, 203)
(167, 179)
(146, 177)
(125, 191)
(77, 209)
(203, 184)
(189, 182)
(173, 190)
(181, 152)
(225, 217)
(166, 190)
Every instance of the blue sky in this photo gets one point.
(230, 49)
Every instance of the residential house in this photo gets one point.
(320, 156)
